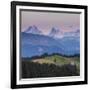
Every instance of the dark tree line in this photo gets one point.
(46, 54)
(36, 70)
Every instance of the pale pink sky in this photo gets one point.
(44, 21)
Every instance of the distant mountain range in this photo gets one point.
(34, 43)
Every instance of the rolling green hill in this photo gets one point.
(59, 60)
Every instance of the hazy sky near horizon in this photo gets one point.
(65, 22)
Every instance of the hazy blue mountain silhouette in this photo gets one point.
(34, 44)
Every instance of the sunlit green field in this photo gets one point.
(59, 60)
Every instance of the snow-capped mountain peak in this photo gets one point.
(54, 31)
(33, 29)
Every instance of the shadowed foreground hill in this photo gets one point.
(36, 70)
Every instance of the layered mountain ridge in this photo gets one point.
(35, 43)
